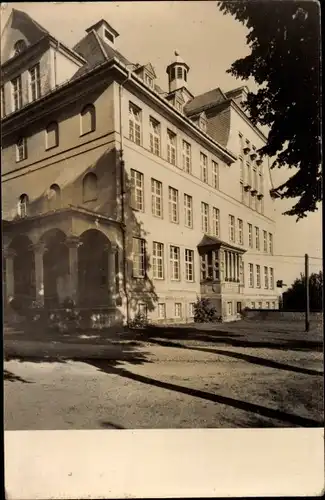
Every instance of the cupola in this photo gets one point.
(177, 73)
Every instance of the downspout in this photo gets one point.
(55, 63)
(122, 182)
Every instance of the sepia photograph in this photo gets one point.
(161, 215)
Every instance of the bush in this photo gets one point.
(205, 312)
(140, 320)
(66, 319)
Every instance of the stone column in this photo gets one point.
(222, 265)
(238, 267)
(9, 255)
(73, 243)
(39, 250)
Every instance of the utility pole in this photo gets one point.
(307, 292)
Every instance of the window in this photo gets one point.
(210, 266)
(189, 265)
(89, 187)
(137, 190)
(178, 310)
(215, 221)
(173, 205)
(17, 95)
(158, 260)
(179, 72)
(205, 217)
(240, 231)
(253, 305)
(271, 278)
(251, 275)
(238, 307)
(229, 309)
(174, 258)
(19, 47)
(250, 235)
(161, 311)
(87, 119)
(188, 210)
(266, 277)
(215, 175)
(139, 258)
(178, 105)
(191, 310)
(52, 136)
(54, 197)
(241, 168)
(273, 305)
(231, 228)
(204, 167)
(187, 157)
(260, 305)
(156, 198)
(134, 123)
(148, 80)
(35, 82)
(171, 147)
(258, 276)
(257, 238)
(109, 36)
(3, 102)
(265, 241)
(271, 243)
(154, 136)
(249, 175)
(267, 305)
(23, 205)
(21, 149)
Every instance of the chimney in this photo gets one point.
(105, 31)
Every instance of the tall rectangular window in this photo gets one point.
(240, 231)
(258, 276)
(134, 123)
(137, 190)
(215, 174)
(35, 82)
(187, 157)
(21, 149)
(265, 241)
(156, 198)
(266, 277)
(174, 260)
(17, 95)
(231, 228)
(250, 235)
(189, 265)
(271, 243)
(188, 210)
(205, 217)
(271, 278)
(161, 310)
(173, 205)
(171, 147)
(251, 275)
(204, 167)
(154, 136)
(215, 221)
(139, 258)
(178, 310)
(158, 260)
(257, 238)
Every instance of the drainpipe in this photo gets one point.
(122, 182)
(55, 64)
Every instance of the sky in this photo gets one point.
(209, 42)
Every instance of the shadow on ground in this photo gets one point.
(258, 410)
(11, 377)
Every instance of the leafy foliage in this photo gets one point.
(284, 40)
(294, 299)
(140, 320)
(204, 311)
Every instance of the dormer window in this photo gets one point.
(202, 124)
(148, 80)
(178, 105)
(19, 47)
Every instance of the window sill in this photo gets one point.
(87, 133)
(22, 159)
(51, 147)
(91, 199)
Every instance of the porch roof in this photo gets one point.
(214, 242)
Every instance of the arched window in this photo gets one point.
(19, 47)
(23, 205)
(52, 135)
(54, 197)
(87, 119)
(89, 187)
(21, 149)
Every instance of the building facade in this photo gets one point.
(122, 196)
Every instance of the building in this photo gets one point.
(122, 196)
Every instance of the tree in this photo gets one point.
(294, 299)
(284, 61)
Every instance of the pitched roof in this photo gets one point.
(203, 101)
(28, 26)
(95, 52)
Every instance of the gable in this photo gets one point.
(20, 26)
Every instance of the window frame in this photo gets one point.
(187, 157)
(174, 258)
(91, 110)
(215, 174)
(250, 275)
(205, 217)
(16, 93)
(188, 210)
(136, 176)
(141, 255)
(189, 265)
(155, 197)
(154, 136)
(232, 229)
(21, 149)
(171, 147)
(216, 221)
(173, 204)
(204, 167)
(135, 124)
(34, 80)
(158, 260)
